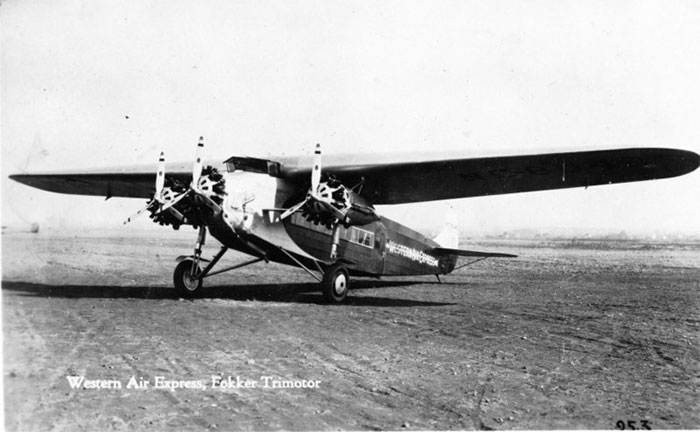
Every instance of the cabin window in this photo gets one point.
(355, 235)
(361, 237)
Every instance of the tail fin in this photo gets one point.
(448, 239)
(449, 236)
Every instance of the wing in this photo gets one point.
(128, 182)
(407, 182)
(396, 183)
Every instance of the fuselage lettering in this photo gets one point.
(411, 253)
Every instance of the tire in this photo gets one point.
(335, 283)
(185, 284)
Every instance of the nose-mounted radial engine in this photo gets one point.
(331, 203)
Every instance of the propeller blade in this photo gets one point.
(160, 178)
(316, 173)
(160, 183)
(173, 202)
(293, 209)
(138, 213)
(197, 168)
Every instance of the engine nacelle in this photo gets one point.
(333, 201)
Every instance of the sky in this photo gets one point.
(89, 84)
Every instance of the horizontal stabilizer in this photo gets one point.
(468, 253)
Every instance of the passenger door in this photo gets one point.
(379, 251)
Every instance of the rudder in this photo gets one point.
(449, 236)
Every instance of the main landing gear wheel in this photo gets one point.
(335, 284)
(186, 283)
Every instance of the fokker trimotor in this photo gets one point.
(323, 220)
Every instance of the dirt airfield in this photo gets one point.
(565, 336)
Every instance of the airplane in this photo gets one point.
(322, 218)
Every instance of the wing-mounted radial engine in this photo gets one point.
(202, 203)
(335, 202)
(329, 202)
(175, 202)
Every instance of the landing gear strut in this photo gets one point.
(336, 240)
(335, 282)
(188, 274)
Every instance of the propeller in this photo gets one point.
(171, 200)
(295, 208)
(197, 168)
(158, 195)
(316, 173)
(166, 197)
(160, 177)
(315, 181)
(138, 213)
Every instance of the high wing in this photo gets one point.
(407, 182)
(127, 182)
(397, 183)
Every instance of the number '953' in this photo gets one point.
(633, 424)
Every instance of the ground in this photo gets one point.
(566, 336)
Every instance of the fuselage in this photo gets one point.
(251, 223)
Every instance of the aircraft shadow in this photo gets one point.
(286, 293)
